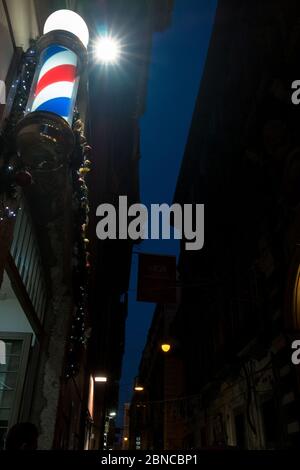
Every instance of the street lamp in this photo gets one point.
(44, 137)
(107, 50)
(100, 379)
(137, 386)
(165, 347)
(112, 414)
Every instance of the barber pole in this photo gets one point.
(57, 83)
(44, 137)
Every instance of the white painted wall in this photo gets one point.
(12, 316)
(5, 44)
(22, 15)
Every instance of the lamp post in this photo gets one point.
(44, 136)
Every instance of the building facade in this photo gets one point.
(63, 301)
(239, 313)
(158, 412)
(38, 267)
(242, 162)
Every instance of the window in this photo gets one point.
(12, 376)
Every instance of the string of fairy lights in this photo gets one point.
(12, 173)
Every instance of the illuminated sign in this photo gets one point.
(55, 83)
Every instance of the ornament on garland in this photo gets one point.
(87, 260)
(84, 170)
(81, 263)
(87, 151)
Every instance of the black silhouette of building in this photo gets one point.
(242, 161)
(239, 309)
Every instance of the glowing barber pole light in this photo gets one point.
(45, 139)
(56, 79)
(56, 87)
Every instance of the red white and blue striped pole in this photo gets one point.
(44, 136)
(56, 86)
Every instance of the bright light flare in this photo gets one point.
(107, 50)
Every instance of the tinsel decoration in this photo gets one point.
(11, 174)
(80, 168)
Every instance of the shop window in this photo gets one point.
(12, 376)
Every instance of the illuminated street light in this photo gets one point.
(165, 347)
(112, 414)
(107, 50)
(125, 439)
(101, 379)
(138, 387)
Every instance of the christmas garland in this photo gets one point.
(12, 174)
(80, 168)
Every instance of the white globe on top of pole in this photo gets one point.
(70, 21)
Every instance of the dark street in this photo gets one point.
(150, 230)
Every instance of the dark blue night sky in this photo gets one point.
(178, 57)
